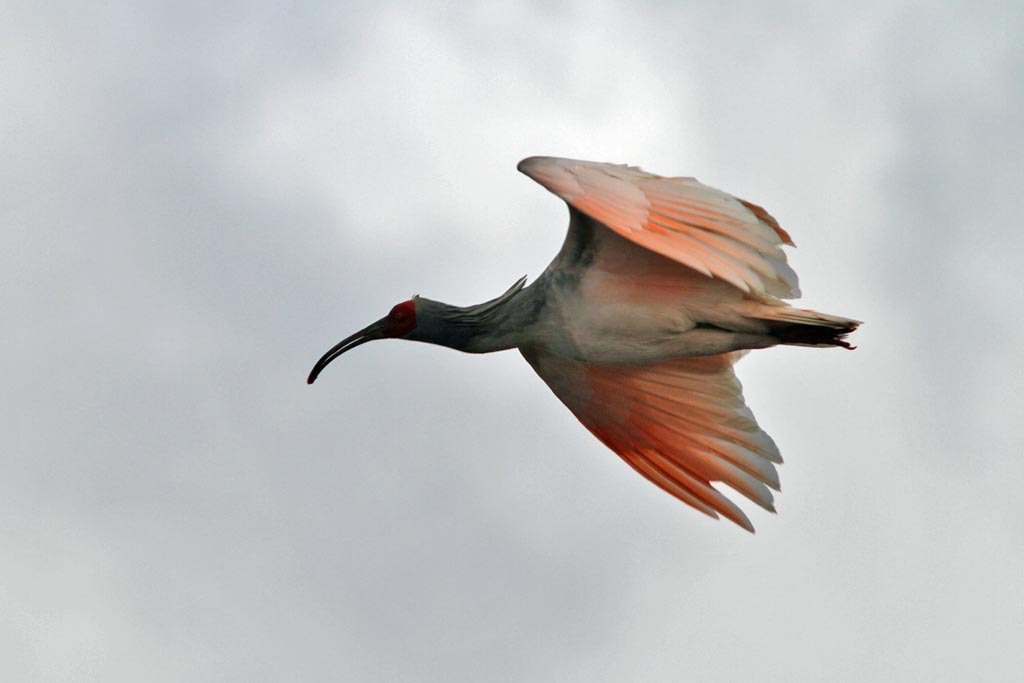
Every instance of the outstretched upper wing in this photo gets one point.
(693, 224)
(681, 424)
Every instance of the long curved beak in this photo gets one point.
(369, 333)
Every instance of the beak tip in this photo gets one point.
(374, 331)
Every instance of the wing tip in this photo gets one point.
(745, 524)
(527, 165)
(768, 220)
(553, 174)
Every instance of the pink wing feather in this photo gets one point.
(681, 424)
(693, 224)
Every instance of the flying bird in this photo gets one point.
(660, 286)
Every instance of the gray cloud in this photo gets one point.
(199, 202)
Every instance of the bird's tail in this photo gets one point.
(803, 327)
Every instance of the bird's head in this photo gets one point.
(476, 329)
(399, 323)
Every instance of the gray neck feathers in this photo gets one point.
(491, 326)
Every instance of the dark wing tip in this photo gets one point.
(768, 220)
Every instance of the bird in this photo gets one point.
(661, 285)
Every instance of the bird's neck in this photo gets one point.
(506, 328)
(495, 325)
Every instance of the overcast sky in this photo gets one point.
(199, 199)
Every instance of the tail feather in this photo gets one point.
(803, 327)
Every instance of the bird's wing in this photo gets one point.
(681, 424)
(693, 224)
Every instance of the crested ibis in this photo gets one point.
(660, 286)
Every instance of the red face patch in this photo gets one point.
(402, 319)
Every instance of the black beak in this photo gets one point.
(369, 333)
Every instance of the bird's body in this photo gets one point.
(636, 323)
(610, 301)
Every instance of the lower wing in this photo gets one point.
(682, 424)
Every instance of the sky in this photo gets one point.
(199, 200)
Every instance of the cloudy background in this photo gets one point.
(198, 200)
